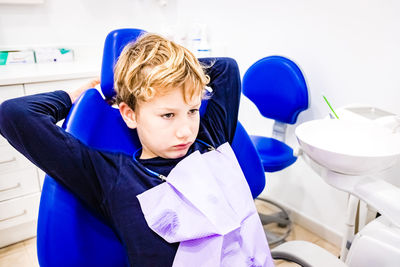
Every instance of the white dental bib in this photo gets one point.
(206, 205)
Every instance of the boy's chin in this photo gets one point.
(176, 154)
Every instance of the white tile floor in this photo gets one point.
(22, 254)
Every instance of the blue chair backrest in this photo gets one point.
(249, 160)
(68, 233)
(113, 46)
(277, 87)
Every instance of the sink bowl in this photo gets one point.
(349, 147)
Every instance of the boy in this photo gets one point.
(159, 87)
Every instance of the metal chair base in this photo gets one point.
(281, 218)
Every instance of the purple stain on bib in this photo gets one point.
(252, 262)
(167, 223)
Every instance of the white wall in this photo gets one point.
(348, 50)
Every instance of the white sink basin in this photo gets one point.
(349, 147)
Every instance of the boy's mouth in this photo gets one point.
(182, 146)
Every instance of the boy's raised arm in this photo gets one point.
(29, 125)
(222, 110)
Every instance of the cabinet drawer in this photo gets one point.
(12, 160)
(20, 210)
(66, 85)
(17, 233)
(11, 91)
(18, 183)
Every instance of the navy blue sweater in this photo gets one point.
(108, 183)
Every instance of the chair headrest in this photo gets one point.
(277, 87)
(113, 46)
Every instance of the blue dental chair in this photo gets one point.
(277, 87)
(68, 233)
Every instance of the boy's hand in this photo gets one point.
(76, 93)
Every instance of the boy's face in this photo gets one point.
(166, 125)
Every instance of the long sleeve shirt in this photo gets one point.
(108, 183)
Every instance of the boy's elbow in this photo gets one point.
(228, 65)
(4, 110)
(6, 107)
(230, 62)
(3, 115)
(9, 112)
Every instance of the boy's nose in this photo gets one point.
(183, 131)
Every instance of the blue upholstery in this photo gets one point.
(275, 155)
(277, 87)
(114, 44)
(68, 233)
(249, 160)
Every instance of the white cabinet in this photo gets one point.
(66, 85)
(20, 180)
(11, 91)
(18, 219)
(18, 183)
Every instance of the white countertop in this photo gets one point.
(30, 73)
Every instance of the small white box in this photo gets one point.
(54, 55)
(17, 57)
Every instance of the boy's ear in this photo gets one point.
(128, 115)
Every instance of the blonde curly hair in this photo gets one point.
(153, 65)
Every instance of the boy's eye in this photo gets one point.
(193, 111)
(167, 115)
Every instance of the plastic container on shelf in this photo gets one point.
(200, 45)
